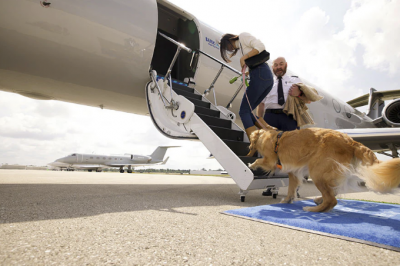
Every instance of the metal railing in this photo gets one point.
(171, 104)
(223, 65)
(180, 46)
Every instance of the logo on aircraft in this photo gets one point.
(212, 43)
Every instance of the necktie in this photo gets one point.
(281, 97)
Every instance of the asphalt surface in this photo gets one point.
(80, 218)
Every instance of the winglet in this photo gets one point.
(165, 161)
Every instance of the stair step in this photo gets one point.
(176, 83)
(206, 111)
(228, 134)
(187, 93)
(240, 148)
(182, 87)
(247, 160)
(199, 102)
(214, 121)
(268, 176)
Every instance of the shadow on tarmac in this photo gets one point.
(37, 202)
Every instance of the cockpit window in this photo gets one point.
(74, 154)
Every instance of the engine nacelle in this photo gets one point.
(140, 158)
(391, 114)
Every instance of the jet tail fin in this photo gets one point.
(159, 153)
(165, 161)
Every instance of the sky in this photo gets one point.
(345, 47)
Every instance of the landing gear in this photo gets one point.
(122, 171)
(129, 169)
(89, 170)
(272, 191)
(242, 194)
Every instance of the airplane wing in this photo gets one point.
(377, 139)
(384, 95)
(89, 166)
(133, 165)
(137, 165)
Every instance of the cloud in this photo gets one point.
(52, 109)
(375, 25)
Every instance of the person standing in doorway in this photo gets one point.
(261, 80)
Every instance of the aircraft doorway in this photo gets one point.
(181, 29)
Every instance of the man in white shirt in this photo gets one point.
(274, 102)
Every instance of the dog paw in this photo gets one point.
(307, 209)
(250, 165)
(318, 201)
(287, 200)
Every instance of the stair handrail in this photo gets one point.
(207, 91)
(177, 43)
(220, 62)
(211, 87)
(172, 103)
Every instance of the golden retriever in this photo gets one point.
(328, 157)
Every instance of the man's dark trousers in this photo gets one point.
(280, 121)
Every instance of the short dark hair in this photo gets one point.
(226, 45)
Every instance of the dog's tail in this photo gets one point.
(379, 176)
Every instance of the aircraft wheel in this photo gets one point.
(122, 171)
(129, 171)
(274, 195)
(242, 198)
(89, 170)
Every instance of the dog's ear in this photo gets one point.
(253, 142)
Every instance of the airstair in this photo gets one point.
(179, 111)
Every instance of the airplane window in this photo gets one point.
(104, 158)
(115, 158)
(120, 159)
(98, 157)
(336, 105)
(91, 157)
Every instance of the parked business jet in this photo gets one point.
(99, 162)
(153, 58)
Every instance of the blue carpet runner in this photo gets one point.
(370, 223)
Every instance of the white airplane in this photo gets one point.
(116, 54)
(99, 162)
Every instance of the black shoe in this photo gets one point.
(267, 192)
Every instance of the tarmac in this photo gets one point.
(81, 218)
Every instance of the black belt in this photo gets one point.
(274, 111)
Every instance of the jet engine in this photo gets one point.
(391, 114)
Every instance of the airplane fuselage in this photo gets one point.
(109, 160)
(99, 54)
